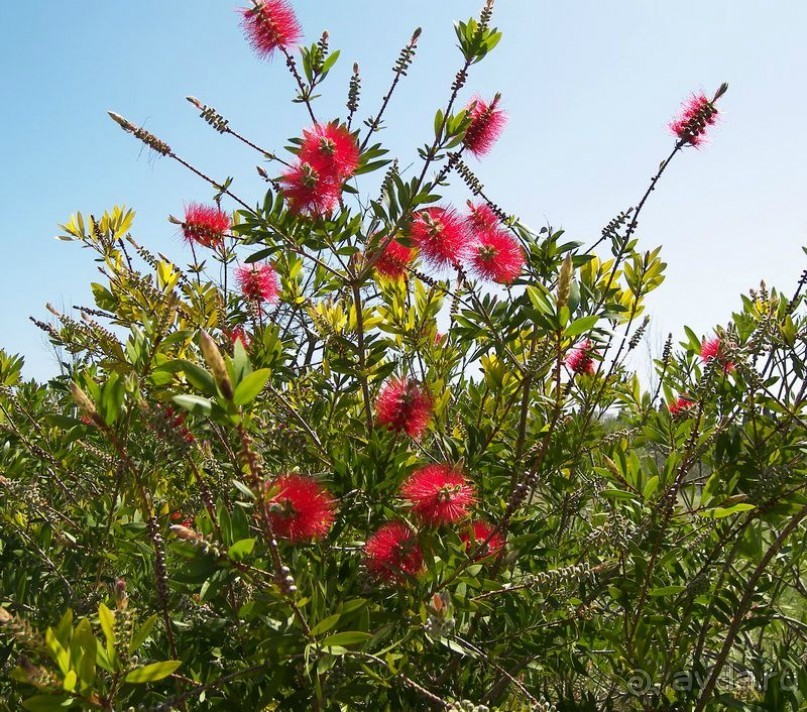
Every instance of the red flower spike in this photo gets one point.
(205, 225)
(238, 334)
(579, 359)
(497, 256)
(697, 114)
(487, 123)
(713, 349)
(177, 516)
(309, 193)
(331, 150)
(300, 509)
(479, 532)
(441, 234)
(481, 218)
(681, 406)
(258, 282)
(269, 25)
(394, 260)
(404, 407)
(392, 553)
(438, 494)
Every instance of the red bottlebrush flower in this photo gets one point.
(300, 509)
(680, 406)
(205, 225)
(487, 122)
(331, 150)
(177, 516)
(394, 259)
(479, 532)
(269, 25)
(238, 334)
(258, 282)
(498, 256)
(438, 494)
(481, 218)
(697, 114)
(404, 407)
(307, 192)
(392, 552)
(579, 359)
(441, 234)
(713, 349)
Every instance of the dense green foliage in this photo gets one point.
(652, 560)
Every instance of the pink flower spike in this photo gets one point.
(438, 494)
(404, 407)
(258, 282)
(205, 225)
(479, 532)
(497, 256)
(309, 193)
(331, 150)
(579, 359)
(697, 114)
(680, 406)
(392, 553)
(487, 123)
(441, 234)
(300, 509)
(394, 260)
(481, 218)
(714, 349)
(269, 25)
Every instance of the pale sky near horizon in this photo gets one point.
(589, 87)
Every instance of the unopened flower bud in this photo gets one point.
(565, 281)
(215, 363)
(82, 399)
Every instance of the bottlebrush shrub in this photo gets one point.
(286, 489)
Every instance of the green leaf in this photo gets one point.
(153, 672)
(107, 620)
(46, 703)
(141, 634)
(581, 325)
(241, 549)
(251, 386)
(651, 487)
(325, 624)
(350, 637)
(721, 512)
(84, 639)
(617, 494)
(70, 681)
(666, 591)
(194, 404)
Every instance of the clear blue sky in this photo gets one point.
(589, 87)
